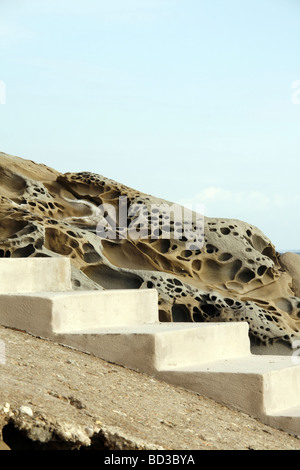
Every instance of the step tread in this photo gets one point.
(152, 328)
(250, 364)
(79, 293)
(27, 275)
(293, 412)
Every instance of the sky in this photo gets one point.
(193, 101)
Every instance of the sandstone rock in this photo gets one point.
(291, 262)
(229, 271)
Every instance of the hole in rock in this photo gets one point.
(38, 243)
(57, 241)
(246, 275)
(284, 304)
(90, 255)
(11, 184)
(162, 245)
(72, 234)
(235, 267)
(111, 279)
(210, 310)
(23, 252)
(225, 230)
(258, 243)
(9, 227)
(163, 316)
(196, 265)
(126, 255)
(225, 257)
(197, 317)
(261, 270)
(186, 253)
(270, 253)
(211, 248)
(180, 313)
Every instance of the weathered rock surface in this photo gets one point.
(291, 262)
(237, 275)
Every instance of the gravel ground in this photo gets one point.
(61, 398)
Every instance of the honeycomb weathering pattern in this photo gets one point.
(235, 276)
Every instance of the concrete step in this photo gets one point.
(122, 326)
(50, 313)
(191, 357)
(153, 347)
(31, 275)
(257, 385)
(287, 420)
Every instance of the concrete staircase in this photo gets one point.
(121, 326)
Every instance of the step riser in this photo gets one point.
(87, 311)
(178, 347)
(204, 343)
(282, 389)
(287, 424)
(73, 312)
(244, 392)
(27, 314)
(134, 351)
(31, 275)
(151, 352)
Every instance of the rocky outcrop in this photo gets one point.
(291, 262)
(204, 269)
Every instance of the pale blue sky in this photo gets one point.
(188, 100)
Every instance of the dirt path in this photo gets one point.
(62, 398)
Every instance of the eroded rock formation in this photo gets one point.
(228, 272)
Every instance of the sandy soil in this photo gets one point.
(79, 401)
